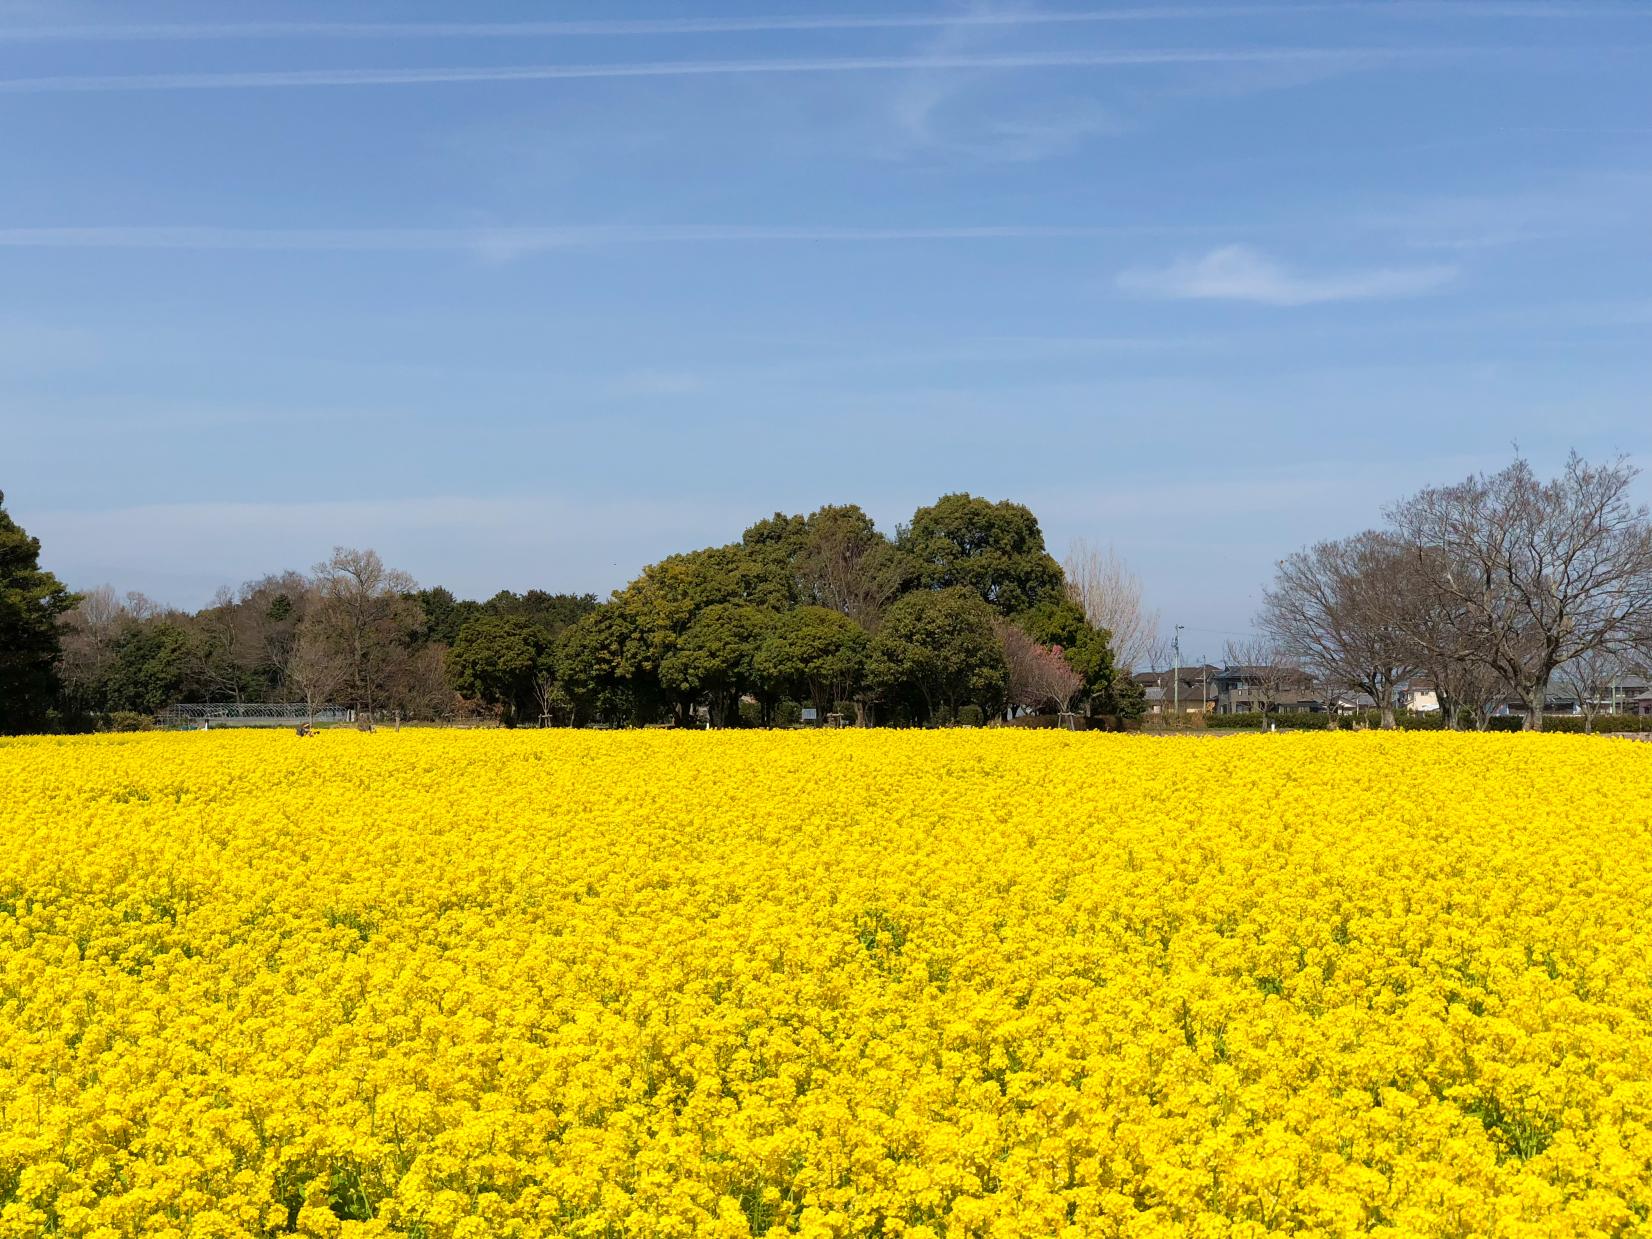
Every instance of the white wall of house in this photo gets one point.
(1419, 700)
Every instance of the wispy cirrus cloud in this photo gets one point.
(1241, 273)
(1406, 9)
(505, 243)
(454, 75)
(929, 110)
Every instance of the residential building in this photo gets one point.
(1419, 696)
(1250, 689)
(1191, 689)
(1624, 694)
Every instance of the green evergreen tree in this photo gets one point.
(31, 602)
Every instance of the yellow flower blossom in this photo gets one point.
(455, 985)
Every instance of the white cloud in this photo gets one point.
(508, 243)
(300, 78)
(1240, 273)
(1570, 10)
(931, 113)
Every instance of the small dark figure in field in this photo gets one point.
(305, 729)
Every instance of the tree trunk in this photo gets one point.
(1534, 707)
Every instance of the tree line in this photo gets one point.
(962, 614)
(1494, 588)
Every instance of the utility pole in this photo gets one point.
(1176, 673)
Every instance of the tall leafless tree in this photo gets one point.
(90, 630)
(1267, 672)
(316, 668)
(1543, 572)
(1590, 678)
(227, 652)
(1445, 644)
(1333, 608)
(1102, 583)
(363, 612)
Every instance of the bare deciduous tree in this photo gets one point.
(1590, 678)
(362, 612)
(1039, 675)
(1265, 670)
(417, 686)
(316, 668)
(846, 565)
(1445, 644)
(1102, 583)
(90, 630)
(1541, 572)
(1158, 654)
(1333, 606)
(226, 652)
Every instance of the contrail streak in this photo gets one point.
(736, 25)
(290, 78)
(512, 241)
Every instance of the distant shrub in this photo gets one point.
(127, 720)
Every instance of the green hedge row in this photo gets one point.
(1600, 723)
(1307, 720)
(1304, 721)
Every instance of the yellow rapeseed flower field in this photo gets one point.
(454, 985)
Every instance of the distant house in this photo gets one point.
(1419, 696)
(1626, 694)
(1347, 701)
(1251, 689)
(1191, 689)
(1563, 704)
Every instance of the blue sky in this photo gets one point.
(532, 294)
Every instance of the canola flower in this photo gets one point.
(454, 985)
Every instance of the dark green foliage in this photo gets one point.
(936, 650)
(1601, 724)
(550, 612)
(715, 657)
(31, 602)
(844, 564)
(504, 661)
(444, 615)
(153, 660)
(1310, 720)
(995, 550)
(814, 652)
(822, 609)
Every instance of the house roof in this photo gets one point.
(1291, 675)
